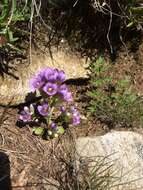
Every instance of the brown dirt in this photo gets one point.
(32, 160)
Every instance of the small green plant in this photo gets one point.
(113, 102)
(135, 13)
(87, 173)
(11, 14)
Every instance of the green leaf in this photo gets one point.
(137, 10)
(3, 31)
(60, 130)
(10, 35)
(5, 10)
(100, 60)
(131, 98)
(15, 48)
(123, 83)
(99, 82)
(38, 131)
(130, 24)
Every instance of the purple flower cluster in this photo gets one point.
(49, 82)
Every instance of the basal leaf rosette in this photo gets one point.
(54, 112)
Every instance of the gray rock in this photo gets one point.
(14, 90)
(124, 150)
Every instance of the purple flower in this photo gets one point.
(68, 97)
(54, 75)
(63, 89)
(43, 109)
(25, 115)
(73, 109)
(64, 92)
(48, 71)
(75, 116)
(76, 120)
(51, 74)
(62, 109)
(53, 125)
(42, 73)
(61, 76)
(46, 75)
(36, 83)
(50, 88)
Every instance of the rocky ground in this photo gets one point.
(32, 163)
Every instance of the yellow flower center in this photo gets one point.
(50, 89)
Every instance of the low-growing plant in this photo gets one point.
(88, 173)
(113, 101)
(11, 13)
(55, 109)
(135, 14)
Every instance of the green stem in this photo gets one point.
(50, 116)
(52, 102)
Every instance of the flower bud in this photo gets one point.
(56, 135)
(49, 133)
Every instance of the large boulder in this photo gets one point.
(122, 149)
(15, 86)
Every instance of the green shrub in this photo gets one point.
(113, 102)
(12, 12)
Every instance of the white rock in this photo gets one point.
(124, 150)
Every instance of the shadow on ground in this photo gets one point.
(5, 182)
